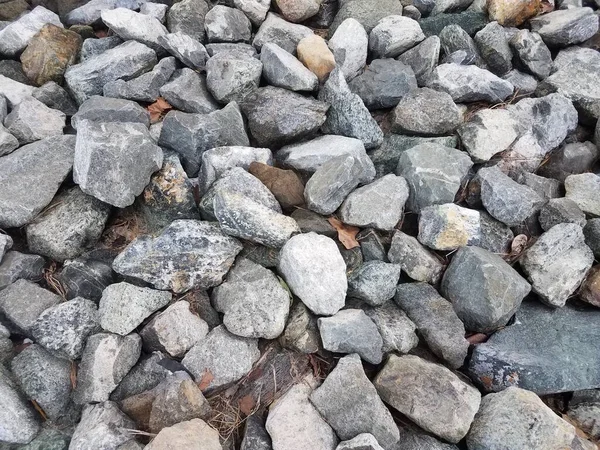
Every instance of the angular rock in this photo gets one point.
(560, 210)
(454, 39)
(8, 142)
(90, 12)
(31, 121)
(193, 433)
(584, 190)
(285, 185)
(396, 329)
(301, 332)
(298, 11)
(349, 45)
(54, 96)
(156, 10)
(255, 435)
(130, 25)
(414, 259)
(224, 24)
(566, 27)
(186, 49)
(187, 91)
(6, 244)
(570, 159)
(492, 43)
(278, 31)
(367, 12)
(532, 53)
(102, 424)
(590, 288)
(255, 10)
(374, 282)
(487, 133)
(148, 373)
(417, 440)
(546, 187)
(282, 69)
(394, 35)
(525, 84)
(187, 17)
(232, 76)
(15, 37)
(16, 265)
(449, 226)
(591, 231)
(313, 53)
(92, 46)
(86, 276)
(19, 422)
(511, 13)
(422, 58)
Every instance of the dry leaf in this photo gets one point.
(39, 409)
(73, 374)
(246, 404)
(205, 381)
(346, 233)
(158, 109)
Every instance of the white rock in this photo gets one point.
(349, 45)
(394, 35)
(130, 25)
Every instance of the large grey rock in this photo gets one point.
(422, 58)
(434, 174)
(89, 12)
(102, 425)
(187, 254)
(469, 83)
(374, 282)
(414, 259)
(225, 356)
(584, 190)
(16, 265)
(532, 53)
(54, 96)
(277, 116)
(253, 302)
(524, 83)
(31, 121)
(284, 70)
(470, 21)
(188, 92)
(315, 271)
(255, 10)
(232, 76)
(106, 359)
(18, 420)
(349, 403)
(367, 12)
(130, 25)
(557, 263)
(187, 17)
(281, 32)
(566, 27)
(14, 91)
(570, 159)
(15, 37)
(484, 290)
(503, 418)
(492, 43)
(349, 45)
(193, 433)
(394, 35)
(125, 61)
(454, 39)
(347, 115)
(436, 321)
(560, 210)
(185, 48)
(92, 46)
(396, 329)
(224, 24)
(6, 243)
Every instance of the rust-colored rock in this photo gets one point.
(512, 13)
(286, 185)
(49, 53)
(314, 54)
(138, 407)
(12, 9)
(590, 289)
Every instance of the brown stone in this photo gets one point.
(11, 10)
(138, 407)
(314, 54)
(286, 185)
(298, 10)
(49, 53)
(590, 289)
(512, 13)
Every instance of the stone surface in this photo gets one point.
(15, 37)
(298, 11)
(470, 21)
(14, 91)
(349, 45)
(487, 133)
(282, 69)
(8, 142)
(532, 53)
(560, 210)
(422, 58)
(583, 190)
(130, 25)
(31, 121)
(232, 76)
(492, 43)
(449, 226)
(255, 435)
(19, 421)
(591, 232)
(513, 13)
(368, 12)
(374, 282)
(417, 440)
(313, 53)
(364, 441)
(188, 92)
(525, 84)
(192, 434)
(281, 32)
(92, 46)
(301, 333)
(285, 185)
(571, 159)
(396, 329)
(54, 96)
(453, 39)
(16, 265)
(414, 259)
(224, 24)
(86, 276)
(590, 288)
(255, 10)
(185, 48)
(102, 424)
(566, 27)
(187, 17)
(394, 35)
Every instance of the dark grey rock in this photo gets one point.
(453, 39)
(470, 21)
(282, 69)
(92, 47)
(371, 245)
(494, 235)
(8, 142)
(14, 91)
(232, 76)
(13, 70)
(19, 422)
(31, 121)
(188, 92)
(186, 49)
(566, 27)
(85, 277)
(546, 188)
(570, 159)
(16, 265)
(102, 424)
(487, 133)
(224, 24)
(417, 440)
(532, 53)
(301, 332)
(524, 84)
(310, 221)
(54, 96)
(368, 13)
(492, 43)
(423, 58)
(350, 45)
(393, 35)
(50, 438)
(414, 259)
(412, 12)
(15, 37)
(281, 32)
(396, 329)
(131, 25)
(448, 6)
(187, 17)
(561, 210)
(374, 282)
(255, 435)
(591, 232)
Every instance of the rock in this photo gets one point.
(503, 417)
(422, 58)
(350, 404)
(130, 25)
(383, 83)
(8, 143)
(545, 187)
(315, 272)
(436, 321)
(224, 24)
(294, 423)
(282, 69)
(19, 422)
(49, 53)
(566, 26)
(278, 31)
(301, 333)
(349, 45)
(188, 91)
(367, 13)
(236, 299)
(525, 84)
(156, 10)
(125, 61)
(583, 190)
(192, 434)
(13, 91)
(285, 185)
(395, 328)
(16, 265)
(590, 289)
(90, 12)
(6, 244)
(426, 112)
(492, 43)
(347, 115)
(313, 53)
(560, 210)
(12, 9)
(106, 359)
(93, 47)
(15, 37)
(470, 21)
(187, 17)
(295, 11)
(102, 424)
(557, 263)
(54, 96)
(434, 174)
(394, 35)
(416, 440)
(144, 88)
(255, 10)
(469, 83)
(277, 117)
(449, 226)
(570, 159)
(85, 277)
(591, 232)
(225, 356)
(44, 379)
(412, 385)
(185, 48)
(414, 259)
(532, 53)
(255, 435)
(226, 47)
(31, 121)
(371, 245)
(148, 373)
(454, 39)
(510, 13)
(374, 282)
(506, 200)
(51, 439)
(232, 76)
(487, 133)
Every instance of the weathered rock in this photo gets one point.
(224, 24)
(188, 91)
(417, 440)
(487, 133)
(570, 159)
(191, 434)
(187, 17)
(232, 76)
(454, 39)
(364, 441)
(102, 424)
(54, 96)
(130, 25)
(16, 265)
(90, 12)
(590, 288)
(255, 435)
(148, 373)
(156, 10)
(394, 35)
(301, 332)
(470, 21)
(185, 48)
(315, 272)
(414, 259)
(367, 13)
(281, 32)
(532, 53)
(560, 210)
(282, 69)
(513, 13)
(19, 421)
(93, 47)
(449, 226)
(12, 9)
(86, 276)
(6, 244)
(349, 45)
(583, 190)
(374, 282)
(31, 121)
(15, 37)
(313, 53)
(566, 26)
(492, 43)
(371, 245)
(524, 84)
(8, 142)
(285, 185)
(422, 58)
(547, 188)
(255, 10)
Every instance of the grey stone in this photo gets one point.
(416, 440)
(255, 10)
(130, 25)
(13, 70)
(374, 282)
(371, 245)
(8, 142)
(383, 83)
(350, 45)
(502, 421)
(315, 272)
(469, 83)
(232, 76)
(434, 174)
(470, 21)
(105, 361)
(394, 35)
(524, 84)
(566, 27)
(227, 47)
(226, 356)
(15, 37)
(423, 58)
(93, 47)
(144, 88)
(448, 6)
(6, 244)
(428, 394)
(570, 159)
(484, 290)
(591, 232)
(156, 10)
(561, 210)
(189, 434)
(414, 259)
(31, 121)
(347, 115)
(73, 222)
(494, 235)
(54, 96)
(506, 200)
(125, 61)
(352, 331)
(255, 435)
(301, 332)
(44, 379)
(281, 32)
(426, 112)
(449, 226)
(3, 107)
(396, 329)
(492, 43)
(295, 11)
(185, 48)
(532, 53)
(584, 414)
(412, 12)
(14, 91)
(546, 188)
(460, 57)
(224, 24)
(85, 277)
(89, 12)
(454, 39)
(188, 92)
(367, 12)
(350, 404)
(16, 265)
(282, 69)
(187, 17)
(19, 422)
(584, 190)
(102, 425)
(436, 320)
(50, 438)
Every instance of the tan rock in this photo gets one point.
(314, 54)
(286, 185)
(194, 434)
(298, 10)
(12, 9)
(512, 13)
(590, 289)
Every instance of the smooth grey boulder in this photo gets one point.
(349, 45)
(94, 46)
(487, 133)
(224, 24)
(414, 259)
(374, 282)
(102, 424)
(347, 114)
(571, 159)
(469, 83)
(131, 25)
(492, 43)
(73, 222)
(282, 69)
(584, 190)
(232, 76)
(557, 263)
(352, 331)
(560, 210)
(349, 403)
(422, 58)
(531, 51)
(225, 356)
(566, 26)
(19, 422)
(187, 254)
(393, 35)
(187, 91)
(185, 48)
(281, 32)
(484, 290)
(54, 96)
(315, 272)
(277, 116)
(436, 320)
(187, 17)
(8, 142)
(31, 121)
(105, 360)
(434, 174)
(115, 180)
(16, 265)
(454, 39)
(15, 36)
(126, 61)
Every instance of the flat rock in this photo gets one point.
(565, 27)
(188, 92)
(15, 37)
(185, 48)
(16, 265)
(190, 434)
(19, 421)
(102, 424)
(224, 24)
(349, 45)
(232, 76)
(532, 53)
(560, 210)
(583, 190)
(487, 133)
(367, 13)
(31, 121)
(414, 259)
(281, 32)
(282, 69)
(188, 17)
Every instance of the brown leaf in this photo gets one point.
(477, 338)
(158, 109)
(205, 381)
(73, 374)
(346, 233)
(246, 404)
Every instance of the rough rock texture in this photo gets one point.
(19, 420)
(186, 49)
(583, 190)
(104, 109)
(16, 265)
(130, 25)
(414, 259)
(560, 210)
(422, 58)
(349, 45)
(281, 32)
(512, 14)
(449, 226)
(282, 69)
(374, 282)
(102, 424)
(565, 27)
(190, 434)
(15, 37)
(144, 88)
(187, 16)
(232, 76)
(224, 24)
(301, 333)
(368, 12)
(397, 330)
(487, 133)
(31, 121)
